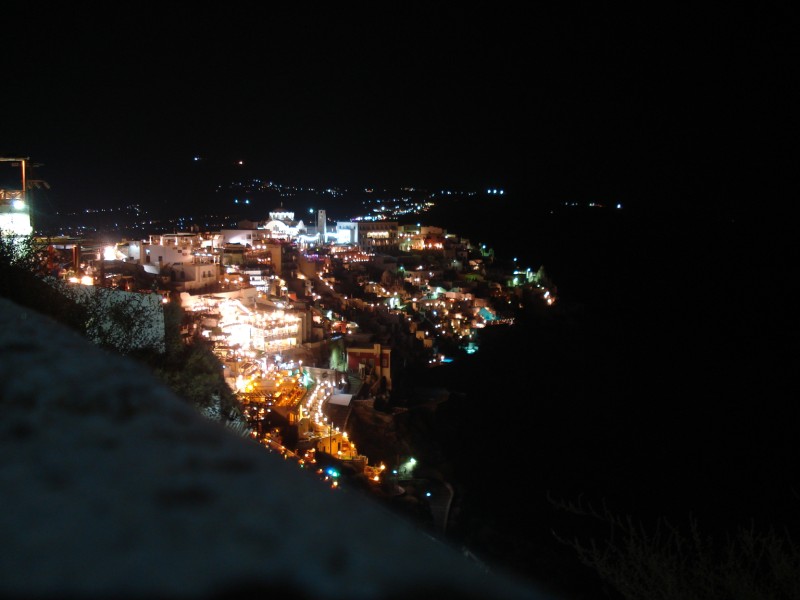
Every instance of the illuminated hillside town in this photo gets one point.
(311, 319)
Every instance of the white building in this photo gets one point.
(282, 225)
(371, 236)
(190, 259)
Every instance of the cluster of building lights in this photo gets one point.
(239, 323)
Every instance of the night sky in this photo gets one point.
(585, 104)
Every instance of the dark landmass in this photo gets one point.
(659, 386)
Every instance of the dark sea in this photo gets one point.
(659, 386)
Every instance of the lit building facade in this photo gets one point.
(371, 236)
(371, 360)
(191, 260)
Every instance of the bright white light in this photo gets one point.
(16, 223)
(18, 204)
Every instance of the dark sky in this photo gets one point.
(115, 101)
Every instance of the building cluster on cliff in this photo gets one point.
(361, 282)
